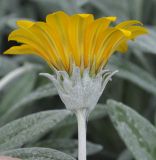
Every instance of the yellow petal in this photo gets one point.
(112, 18)
(27, 49)
(123, 47)
(58, 23)
(126, 24)
(24, 23)
(136, 31)
(113, 39)
(23, 49)
(83, 15)
(47, 38)
(78, 28)
(102, 39)
(93, 31)
(29, 37)
(127, 33)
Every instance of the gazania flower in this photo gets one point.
(77, 47)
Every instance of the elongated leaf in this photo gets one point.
(69, 6)
(30, 128)
(6, 65)
(142, 58)
(71, 148)
(17, 73)
(73, 5)
(42, 92)
(17, 90)
(98, 112)
(137, 133)
(155, 119)
(65, 131)
(38, 154)
(125, 155)
(29, 59)
(69, 126)
(133, 73)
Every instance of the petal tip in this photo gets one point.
(112, 18)
(125, 32)
(84, 15)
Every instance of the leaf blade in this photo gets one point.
(137, 133)
(71, 148)
(29, 128)
(134, 74)
(38, 153)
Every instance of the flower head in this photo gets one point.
(77, 47)
(64, 40)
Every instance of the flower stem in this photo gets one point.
(81, 118)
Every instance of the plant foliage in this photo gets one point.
(33, 121)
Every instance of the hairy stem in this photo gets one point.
(81, 118)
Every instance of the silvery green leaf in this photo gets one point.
(64, 131)
(125, 155)
(82, 2)
(98, 112)
(30, 128)
(133, 73)
(69, 6)
(38, 153)
(71, 148)
(135, 11)
(6, 65)
(9, 84)
(42, 92)
(137, 132)
(11, 76)
(142, 58)
(155, 119)
(73, 5)
(28, 58)
(16, 90)
(123, 9)
(69, 126)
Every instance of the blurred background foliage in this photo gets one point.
(27, 97)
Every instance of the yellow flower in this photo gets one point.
(64, 40)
